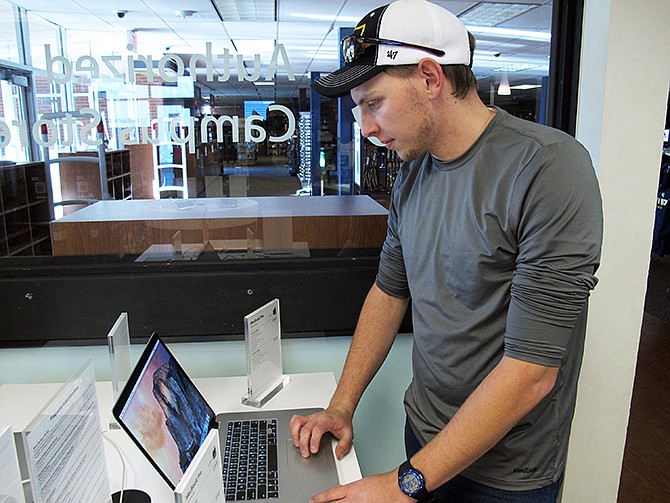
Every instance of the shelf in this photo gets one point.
(82, 180)
(13, 184)
(24, 211)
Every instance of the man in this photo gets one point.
(495, 228)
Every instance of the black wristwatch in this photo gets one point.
(412, 482)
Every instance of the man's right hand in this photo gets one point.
(308, 430)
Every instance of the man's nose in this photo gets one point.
(369, 128)
(368, 125)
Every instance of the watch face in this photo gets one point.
(411, 482)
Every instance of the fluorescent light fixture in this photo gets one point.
(516, 67)
(525, 87)
(325, 17)
(263, 83)
(306, 51)
(243, 10)
(248, 47)
(494, 14)
(503, 88)
(494, 31)
(327, 56)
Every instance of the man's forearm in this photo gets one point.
(507, 394)
(377, 328)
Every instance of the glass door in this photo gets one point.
(14, 128)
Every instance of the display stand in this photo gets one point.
(64, 437)
(120, 362)
(265, 378)
(118, 343)
(202, 481)
(10, 478)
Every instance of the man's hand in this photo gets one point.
(373, 489)
(308, 430)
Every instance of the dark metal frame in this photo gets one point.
(51, 300)
(566, 45)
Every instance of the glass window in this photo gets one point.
(12, 113)
(204, 141)
(512, 56)
(42, 33)
(178, 111)
(9, 49)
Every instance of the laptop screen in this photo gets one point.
(163, 412)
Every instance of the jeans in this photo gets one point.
(462, 490)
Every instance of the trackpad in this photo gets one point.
(320, 466)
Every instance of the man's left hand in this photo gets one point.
(372, 489)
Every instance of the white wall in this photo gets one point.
(623, 92)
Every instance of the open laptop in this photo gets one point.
(167, 417)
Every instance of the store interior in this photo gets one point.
(185, 135)
(216, 68)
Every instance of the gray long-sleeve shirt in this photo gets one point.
(498, 251)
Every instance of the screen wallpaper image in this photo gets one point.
(166, 415)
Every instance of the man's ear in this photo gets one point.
(433, 79)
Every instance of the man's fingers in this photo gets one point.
(296, 424)
(315, 441)
(310, 437)
(308, 431)
(333, 494)
(343, 447)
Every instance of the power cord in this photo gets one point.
(123, 463)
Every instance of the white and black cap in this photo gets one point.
(428, 30)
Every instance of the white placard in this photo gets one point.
(202, 482)
(11, 490)
(262, 330)
(64, 445)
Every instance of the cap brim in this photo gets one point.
(341, 81)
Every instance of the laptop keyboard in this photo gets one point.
(250, 460)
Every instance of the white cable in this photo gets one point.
(123, 463)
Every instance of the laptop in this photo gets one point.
(167, 417)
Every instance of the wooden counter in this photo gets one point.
(132, 226)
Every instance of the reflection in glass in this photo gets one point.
(185, 116)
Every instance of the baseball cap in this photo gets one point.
(400, 33)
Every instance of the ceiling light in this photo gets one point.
(248, 47)
(515, 67)
(494, 14)
(526, 87)
(326, 17)
(503, 88)
(494, 31)
(263, 83)
(243, 10)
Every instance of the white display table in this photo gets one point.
(132, 226)
(19, 403)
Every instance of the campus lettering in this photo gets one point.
(46, 132)
(186, 131)
(170, 67)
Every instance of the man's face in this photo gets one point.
(394, 110)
